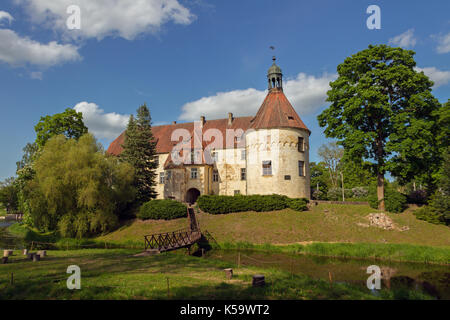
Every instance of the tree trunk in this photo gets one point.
(380, 191)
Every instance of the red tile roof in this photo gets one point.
(163, 134)
(277, 112)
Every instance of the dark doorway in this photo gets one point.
(192, 195)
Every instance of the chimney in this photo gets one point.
(230, 118)
(174, 122)
(202, 120)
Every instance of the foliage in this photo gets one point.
(298, 204)
(417, 197)
(331, 155)
(395, 201)
(69, 123)
(215, 204)
(30, 152)
(9, 195)
(162, 209)
(382, 110)
(319, 180)
(335, 194)
(360, 192)
(438, 209)
(77, 188)
(139, 150)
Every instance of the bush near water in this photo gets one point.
(215, 204)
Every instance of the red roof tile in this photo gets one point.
(277, 112)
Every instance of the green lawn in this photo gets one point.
(324, 223)
(118, 274)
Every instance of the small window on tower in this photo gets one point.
(161, 177)
(301, 168)
(267, 168)
(194, 173)
(215, 176)
(243, 174)
(301, 144)
(290, 117)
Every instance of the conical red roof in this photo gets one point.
(277, 112)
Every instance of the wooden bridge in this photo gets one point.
(168, 241)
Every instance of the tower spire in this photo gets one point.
(275, 76)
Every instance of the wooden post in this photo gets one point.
(229, 273)
(5, 253)
(239, 259)
(32, 243)
(168, 289)
(25, 252)
(331, 279)
(259, 280)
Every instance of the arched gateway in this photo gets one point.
(192, 195)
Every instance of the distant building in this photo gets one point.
(264, 154)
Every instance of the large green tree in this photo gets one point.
(139, 150)
(9, 195)
(77, 188)
(69, 123)
(378, 97)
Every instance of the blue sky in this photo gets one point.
(189, 58)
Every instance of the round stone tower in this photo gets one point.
(278, 145)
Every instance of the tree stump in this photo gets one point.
(259, 280)
(25, 252)
(229, 273)
(36, 258)
(42, 253)
(4, 260)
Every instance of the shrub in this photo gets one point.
(417, 197)
(360, 192)
(260, 203)
(335, 194)
(394, 201)
(437, 212)
(162, 210)
(299, 204)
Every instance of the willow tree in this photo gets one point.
(378, 93)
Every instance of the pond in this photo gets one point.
(433, 279)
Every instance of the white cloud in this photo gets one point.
(305, 92)
(102, 125)
(439, 77)
(443, 43)
(6, 16)
(102, 18)
(17, 50)
(404, 40)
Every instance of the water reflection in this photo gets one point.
(433, 279)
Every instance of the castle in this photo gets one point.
(263, 154)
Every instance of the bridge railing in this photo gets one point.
(171, 240)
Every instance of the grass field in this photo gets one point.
(323, 223)
(118, 274)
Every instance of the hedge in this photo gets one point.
(162, 210)
(215, 204)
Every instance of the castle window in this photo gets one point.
(161, 177)
(237, 192)
(267, 168)
(168, 175)
(192, 157)
(194, 173)
(301, 168)
(300, 146)
(287, 177)
(215, 176)
(243, 174)
(243, 154)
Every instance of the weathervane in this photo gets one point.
(273, 49)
